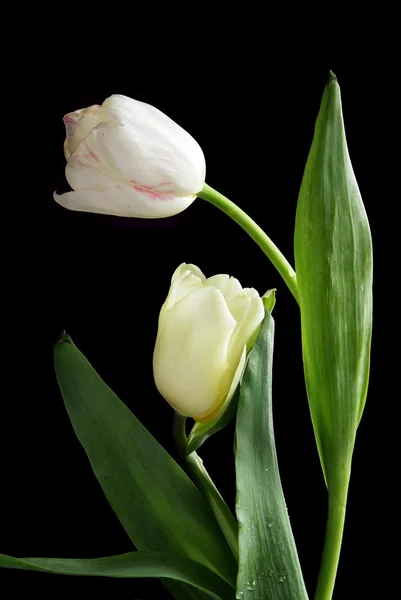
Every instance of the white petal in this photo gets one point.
(91, 166)
(147, 157)
(133, 113)
(83, 172)
(127, 111)
(248, 311)
(229, 286)
(182, 284)
(236, 379)
(190, 356)
(218, 413)
(122, 201)
(79, 124)
(184, 267)
(127, 156)
(158, 136)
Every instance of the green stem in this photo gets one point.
(204, 483)
(332, 545)
(256, 233)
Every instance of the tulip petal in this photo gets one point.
(186, 278)
(121, 156)
(235, 381)
(229, 286)
(147, 158)
(183, 285)
(84, 173)
(126, 111)
(184, 267)
(248, 311)
(190, 356)
(164, 146)
(214, 417)
(122, 201)
(79, 124)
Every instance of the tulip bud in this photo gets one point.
(127, 158)
(206, 327)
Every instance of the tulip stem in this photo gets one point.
(204, 483)
(256, 233)
(332, 545)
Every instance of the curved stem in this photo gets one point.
(222, 513)
(332, 545)
(256, 233)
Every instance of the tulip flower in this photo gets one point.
(206, 328)
(127, 158)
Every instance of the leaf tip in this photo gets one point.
(332, 78)
(269, 299)
(63, 338)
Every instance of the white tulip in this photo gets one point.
(127, 158)
(206, 327)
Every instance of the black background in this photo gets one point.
(104, 279)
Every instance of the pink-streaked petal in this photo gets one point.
(123, 201)
(79, 124)
(149, 160)
(86, 171)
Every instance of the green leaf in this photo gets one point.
(269, 299)
(156, 502)
(268, 561)
(333, 259)
(132, 564)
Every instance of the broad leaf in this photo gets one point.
(268, 561)
(157, 504)
(132, 564)
(333, 259)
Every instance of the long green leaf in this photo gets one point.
(157, 504)
(333, 259)
(269, 567)
(132, 564)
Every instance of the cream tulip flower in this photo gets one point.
(127, 158)
(206, 327)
